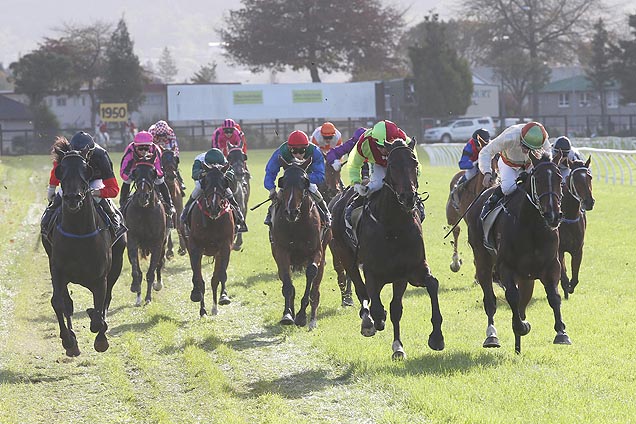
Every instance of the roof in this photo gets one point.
(577, 83)
(10, 110)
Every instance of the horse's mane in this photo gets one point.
(59, 147)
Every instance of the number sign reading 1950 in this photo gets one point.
(113, 112)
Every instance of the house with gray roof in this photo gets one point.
(16, 124)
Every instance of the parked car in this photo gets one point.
(458, 130)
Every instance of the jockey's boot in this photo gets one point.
(186, 208)
(355, 202)
(325, 215)
(268, 217)
(167, 201)
(115, 216)
(492, 201)
(456, 192)
(240, 219)
(419, 204)
(49, 213)
(181, 183)
(123, 195)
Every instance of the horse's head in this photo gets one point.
(332, 182)
(401, 173)
(543, 188)
(144, 176)
(294, 185)
(74, 173)
(579, 183)
(169, 164)
(236, 158)
(214, 185)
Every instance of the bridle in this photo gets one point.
(83, 193)
(290, 201)
(572, 186)
(213, 203)
(535, 197)
(144, 182)
(398, 196)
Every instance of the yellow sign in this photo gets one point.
(113, 112)
(307, 96)
(248, 97)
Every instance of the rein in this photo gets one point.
(535, 198)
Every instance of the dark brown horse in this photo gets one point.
(577, 198)
(210, 233)
(526, 241)
(236, 158)
(391, 249)
(170, 164)
(79, 249)
(147, 230)
(296, 242)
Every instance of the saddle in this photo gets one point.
(487, 223)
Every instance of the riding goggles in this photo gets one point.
(298, 150)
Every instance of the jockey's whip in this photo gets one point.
(260, 204)
(466, 211)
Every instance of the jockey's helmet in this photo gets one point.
(385, 131)
(229, 123)
(81, 140)
(142, 138)
(297, 139)
(214, 157)
(533, 135)
(161, 128)
(563, 144)
(327, 129)
(481, 136)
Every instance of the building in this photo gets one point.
(16, 124)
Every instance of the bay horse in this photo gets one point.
(147, 230)
(526, 243)
(390, 248)
(170, 164)
(236, 158)
(296, 242)
(577, 198)
(210, 232)
(81, 249)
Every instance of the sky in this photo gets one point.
(186, 27)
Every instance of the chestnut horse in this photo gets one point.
(391, 248)
(79, 249)
(577, 198)
(236, 158)
(526, 243)
(147, 230)
(170, 164)
(296, 242)
(210, 232)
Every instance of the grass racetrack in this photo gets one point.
(165, 365)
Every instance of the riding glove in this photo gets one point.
(487, 179)
(362, 190)
(50, 193)
(336, 165)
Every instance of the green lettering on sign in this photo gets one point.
(307, 96)
(248, 97)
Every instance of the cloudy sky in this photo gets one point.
(186, 27)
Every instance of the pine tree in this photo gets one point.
(206, 74)
(599, 68)
(167, 66)
(626, 64)
(123, 79)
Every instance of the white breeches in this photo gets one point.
(508, 176)
(378, 173)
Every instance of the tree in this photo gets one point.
(547, 30)
(443, 80)
(4, 79)
(87, 46)
(205, 74)
(167, 66)
(123, 77)
(626, 64)
(321, 36)
(598, 68)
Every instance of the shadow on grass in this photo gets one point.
(11, 377)
(254, 278)
(141, 327)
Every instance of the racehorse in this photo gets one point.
(390, 247)
(81, 249)
(577, 198)
(526, 243)
(210, 233)
(147, 230)
(236, 158)
(296, 242)
(169, 164)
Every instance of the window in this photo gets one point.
(60, 101)
(612, 99)
(564, 99)
(463, 124)
(585, 99)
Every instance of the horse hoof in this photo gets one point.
(347, 301)
(202, 312)
(237, 247)
(224, 299)
(215, 310)
(523, 329)
(147, 302)
(455, 266)
(157, 285)
(73, 351)
(181, 252)
(562, 339)
(101, 345)
(301, 320)
(399, 355)
(169, 255)
(379, 325)
(135, 288)
(138, 300)
(491, 341)
(287, 319)
(195, 295)
(436, 342)
(367, 329)
(313, 324)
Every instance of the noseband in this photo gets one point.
(81, 194)
(534, 196)
(386, 183)
(572, 186)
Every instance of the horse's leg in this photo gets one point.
(577, 258)
(520, 327)
(288, 290)
(169, 251)
(98, 323)
(162, 263)
(133, 258)
(310, 274)
(220, 275)
(198, 285)
(374, 288)
(117, 255)
(344, 283)
(436, 338)
(314, 297)
(156, 255)
(456, 263)
(60, 291)
(68, 308)
(396, 315)
(550, 283)
(565, 282)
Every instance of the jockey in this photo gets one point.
(324, 135)
(103, 183)
(214, 156)
(563, 146)
(297, 149)
(334, 155)
(468, 162)
(227, 136)
(164, 137)
(142, 149)
(514, 145)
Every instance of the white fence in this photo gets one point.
(609, 165)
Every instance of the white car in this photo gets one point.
(458, 130)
